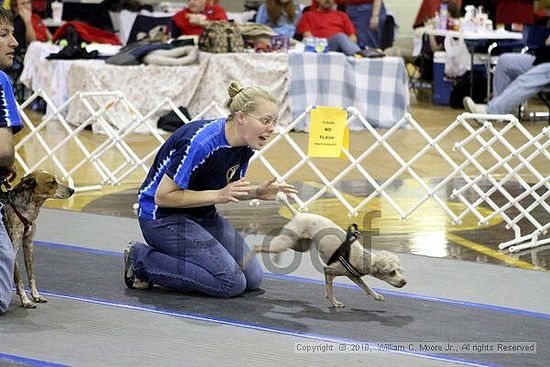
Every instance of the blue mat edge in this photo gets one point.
(31, 361)
(450, 301)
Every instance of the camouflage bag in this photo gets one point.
(220, 37)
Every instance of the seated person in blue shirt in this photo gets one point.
(281, 15)
(190, 246)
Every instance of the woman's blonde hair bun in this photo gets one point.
(246, 99)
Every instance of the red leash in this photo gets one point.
(25, 221)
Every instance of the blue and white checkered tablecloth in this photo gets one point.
(376, 87)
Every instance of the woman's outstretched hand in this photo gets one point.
(234, 191)
(269, 189)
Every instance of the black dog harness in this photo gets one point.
(343, 252)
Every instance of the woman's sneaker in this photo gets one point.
(129, 278)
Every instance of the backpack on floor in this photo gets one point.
(220, 37)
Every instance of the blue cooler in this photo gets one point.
(441, 88)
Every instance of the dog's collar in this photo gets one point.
(343, 252)
(25, 221)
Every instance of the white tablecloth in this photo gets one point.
(377, 87)
(194, 86)
(50, 76)
(476, 36)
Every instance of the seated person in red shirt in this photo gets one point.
(324, 21)
(195, 17)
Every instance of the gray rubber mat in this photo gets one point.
(300, 308)
(9, 360)
(9, 363)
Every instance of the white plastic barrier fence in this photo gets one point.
(493, 132)
(510, 161)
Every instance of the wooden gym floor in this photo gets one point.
(428, 233)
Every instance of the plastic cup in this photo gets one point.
(57, 11)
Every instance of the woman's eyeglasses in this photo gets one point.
(265, 121)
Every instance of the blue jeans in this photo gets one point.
(7, 261)
(195, 254)
(342, 43)
(360, 15)
(516, 80)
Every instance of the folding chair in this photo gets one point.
(535, 38)
(144, 23)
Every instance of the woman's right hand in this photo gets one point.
(197, 19)
(25, 13)
(234, 191)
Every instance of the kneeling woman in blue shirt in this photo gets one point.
(190, 246)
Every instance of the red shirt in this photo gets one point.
(39, 28)
(212, 12)
(515, 11)
(325, 24)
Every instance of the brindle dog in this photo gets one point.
(21, 207)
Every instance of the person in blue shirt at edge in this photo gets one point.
(10, 123)
(190, 246)
(281, 15)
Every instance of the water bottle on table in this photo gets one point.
(309, 44)
(321, 45)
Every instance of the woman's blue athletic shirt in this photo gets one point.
(197, 157)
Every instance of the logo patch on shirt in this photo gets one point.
(231, 172)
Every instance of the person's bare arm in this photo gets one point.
(26, 15)
(374, 20)
(198, 19)
(7, 151)
(170, 195)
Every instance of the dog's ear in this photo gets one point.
(28, 182)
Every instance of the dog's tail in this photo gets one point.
(282, 199)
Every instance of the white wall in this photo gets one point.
(405, 13)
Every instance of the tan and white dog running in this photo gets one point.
(22, 205)
(328, 237)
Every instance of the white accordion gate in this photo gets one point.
(117, 118)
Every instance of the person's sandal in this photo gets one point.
(372, 53)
